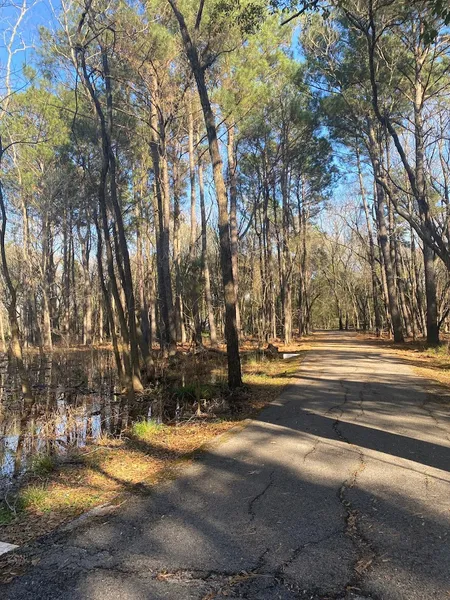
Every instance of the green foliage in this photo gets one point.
(147, 428)
(6, 514)
(196, 391)
(247, 15)
(32, 496)
(248, 75)
(43, 464)
(39, 161)
(440, 10)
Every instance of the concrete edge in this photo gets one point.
(98, 511)
(5, 547)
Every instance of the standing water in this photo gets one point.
(76, 401)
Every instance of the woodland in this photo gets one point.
(180, 175)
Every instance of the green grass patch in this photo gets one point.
(146, 429)
(33, 496)
(254, 359)
(441, 351)
(6, 514)
(43, 464)
(198, 391)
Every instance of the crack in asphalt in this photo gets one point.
(365, 386)
(297, 551)
(365, 552)
(252, 502)
(238, 578)
(180, 574)
(313, 449)
(429, 396)
(340, 406)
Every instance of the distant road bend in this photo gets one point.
(339, 490)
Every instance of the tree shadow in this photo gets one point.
(231, 516)
(306, 502)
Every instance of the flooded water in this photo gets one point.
(77, 400)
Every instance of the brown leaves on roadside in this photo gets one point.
(12, 565)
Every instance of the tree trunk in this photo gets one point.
(428, 254)
(15, 346)
(143, 330)
(179, 312)
(132, 380)
(431, 295)
(285, 258)
(415, 175)
(85, 243)
(162, 188)
(231, 330)
(127, 282)
(193, 221)
(373, 272)
(380, 205)
(108, 301)
(232, 186)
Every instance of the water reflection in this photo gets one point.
(76, 401)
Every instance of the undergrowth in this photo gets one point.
(54, 491)
(147, 428)
(43, 464)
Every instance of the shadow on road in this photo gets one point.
(341, 468)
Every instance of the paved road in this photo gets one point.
(341, 489)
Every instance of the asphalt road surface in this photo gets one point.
(340, 489)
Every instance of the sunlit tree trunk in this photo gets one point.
(231, 330)
(232, 186)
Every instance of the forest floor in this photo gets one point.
(54, 491)
(338, 490)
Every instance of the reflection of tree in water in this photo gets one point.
(62, 415)
(77, 400)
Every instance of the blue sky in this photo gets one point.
(39, 13)
(42, 13)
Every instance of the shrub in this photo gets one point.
(43, 464)
(145, 429)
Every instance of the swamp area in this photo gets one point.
(82, 442)
(78, 401)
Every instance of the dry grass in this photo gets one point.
(54, 494)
